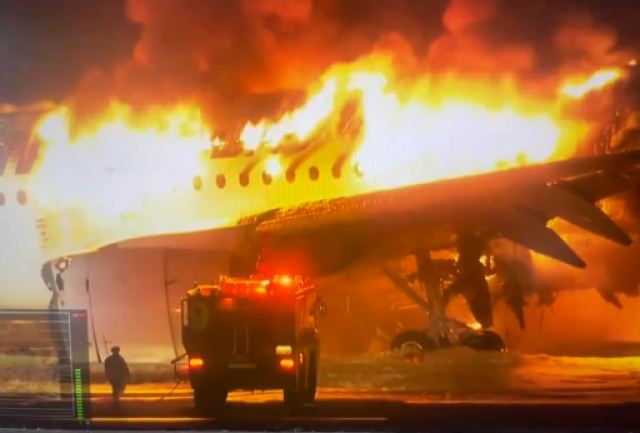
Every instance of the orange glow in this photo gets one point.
(285, 280)
(196, 363)
(283, 350)
(182, 371)
(598, 80)
(273, 166)
(287, 364)
(475, 326)
(298, 124)
(227, 304)
(128, 174)
(417, 132)
(117, 169)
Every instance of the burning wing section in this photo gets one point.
(466, 214)
(516, 204)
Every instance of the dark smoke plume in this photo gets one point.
(243, 60)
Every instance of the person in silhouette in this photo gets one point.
(117, 372)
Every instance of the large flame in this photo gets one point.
(578, 88)
(434, 128)
(128, 173)
(105, 180)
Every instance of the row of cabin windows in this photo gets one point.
(21, 197)
(290, 176)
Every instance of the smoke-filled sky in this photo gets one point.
(238, 59)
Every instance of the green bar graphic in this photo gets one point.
(78, 392)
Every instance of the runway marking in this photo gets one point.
(195, 419)
(146, 419)
(152, 398)
(333, 418)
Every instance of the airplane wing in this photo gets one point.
(322, 237)
(516, 204)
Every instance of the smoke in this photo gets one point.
(249, 59)
(244, 60)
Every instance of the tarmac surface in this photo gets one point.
(448, 392)
(153, 408)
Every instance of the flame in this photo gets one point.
(443, 128)
(123, 158)
(298, 124)
(475, 326)
(131, 173)
(273, 166)
(598, 80)
(420, 142)
(117, 167)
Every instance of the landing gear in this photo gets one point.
(440, 280)
(413, 344)
(483, 340)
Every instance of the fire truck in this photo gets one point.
(252, 333)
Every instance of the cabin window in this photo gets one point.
(291, 176)
(314, 173)
(197, 183)
(266, 178)
(221, 181)
(22, 197)
(244, 179)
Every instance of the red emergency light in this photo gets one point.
(244, 287)
(256, 286)
(196, 363)
(283, 280)
(287, 364)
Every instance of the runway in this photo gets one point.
(356, 411)
(450, 391)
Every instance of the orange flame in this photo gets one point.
(130, 174)
(298, 124)
(115, 169)
(442, 129)
(598, 80)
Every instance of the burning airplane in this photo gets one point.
(383, 151)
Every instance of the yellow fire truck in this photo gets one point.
(252, 333)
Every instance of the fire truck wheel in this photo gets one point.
(209, 400)
(309, 393)
(292, 397)
(302, 387)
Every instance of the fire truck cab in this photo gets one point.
(252, 333)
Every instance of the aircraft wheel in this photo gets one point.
(413, 344)
(482, 340)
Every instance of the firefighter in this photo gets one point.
(117, 372)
